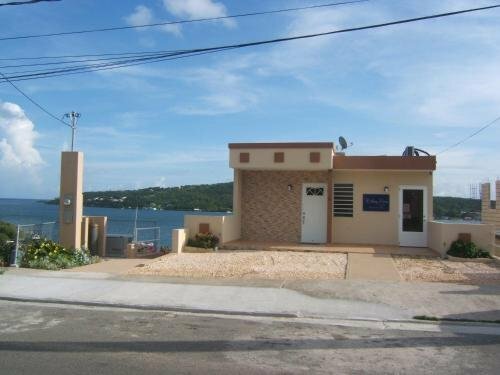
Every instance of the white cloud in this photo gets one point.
(172, 29)
(226, 91)
(18, 135)
(142, 15)
(193, 9)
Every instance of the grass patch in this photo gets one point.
(436, 319)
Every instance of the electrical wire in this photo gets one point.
(187, 53)
(87, 55)
(26, 2)
(470, 136)
(116, 28)
(34, 102)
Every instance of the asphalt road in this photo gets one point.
(56, 339)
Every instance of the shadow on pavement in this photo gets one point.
(247, 345)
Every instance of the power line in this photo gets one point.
(138, 60)
(74, 61)
(116, 28)
(34, 102)
(78, 56)
(87, 69)
(25, 2)
(470, 136)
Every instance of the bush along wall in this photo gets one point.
(204, 240)
(46, 254)
(462, 249)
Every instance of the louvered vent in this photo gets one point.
(342, 200)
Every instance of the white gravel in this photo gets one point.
(249, 264)
(429, 269)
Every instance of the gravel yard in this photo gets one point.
(249, 264)
(428, 269)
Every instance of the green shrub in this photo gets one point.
(7, 235)
(46, 254)
(204, 240)
(467, 250)
(5, 251)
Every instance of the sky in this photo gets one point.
(427, 84)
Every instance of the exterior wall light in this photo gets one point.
(290, 187)
(386, 189)
(67, 201)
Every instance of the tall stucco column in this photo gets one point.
(485, 196)
(71, 199)
(237, 187)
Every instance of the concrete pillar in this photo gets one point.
(237, 191)
(179, 239)
(485, 196)
(71, 199)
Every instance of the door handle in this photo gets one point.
(303, 217)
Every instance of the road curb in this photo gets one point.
(150, 307)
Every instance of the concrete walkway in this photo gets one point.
(371, 267)
(206, 298)
(338, 299)
(112, 266)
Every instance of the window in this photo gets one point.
(342, 200)
(314, 157)
(244, 157)
(279, 157)
(314, 191)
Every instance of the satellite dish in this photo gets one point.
(343, 143)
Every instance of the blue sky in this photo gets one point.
(427, 84)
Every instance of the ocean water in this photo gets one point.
(120, 221)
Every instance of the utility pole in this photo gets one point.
(74, 116)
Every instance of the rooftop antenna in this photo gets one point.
(74, 116)
(343, 144)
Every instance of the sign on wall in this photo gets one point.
(376, 202)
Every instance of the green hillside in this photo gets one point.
(219, 197)
(454, 207)
(214, 197)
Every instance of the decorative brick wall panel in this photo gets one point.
(269, 211)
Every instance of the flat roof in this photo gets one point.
(426, 163)
(282, 145)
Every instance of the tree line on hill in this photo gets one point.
(219, 197)
(213, 197)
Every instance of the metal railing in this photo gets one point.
(147, 240)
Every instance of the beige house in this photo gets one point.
(307, 193)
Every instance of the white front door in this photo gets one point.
(314, 199)
(413, 216)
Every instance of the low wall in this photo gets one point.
(179, 239)
(231, 229)
(441, 235)
(224, 227)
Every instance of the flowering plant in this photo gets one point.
(47, 254)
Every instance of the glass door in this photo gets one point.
(413, 216)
